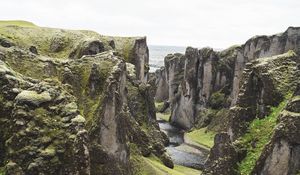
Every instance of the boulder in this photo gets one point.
(33, 98)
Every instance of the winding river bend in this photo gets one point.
(183, 153)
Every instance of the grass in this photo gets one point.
(202, 137)
(1, 170)
(152, 165)
(17, 23)
(163, 116)
(260, 130)
(25, 34)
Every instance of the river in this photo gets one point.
(183, 153)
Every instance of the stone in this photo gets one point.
(33, 98)
(167, 161)
(78, 119)
(33, 50)
(87, 47)
(223, 156)
(5, 43)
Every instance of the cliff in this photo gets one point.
(74, 102)
(211, 78)
(266, 87)
(248, 94)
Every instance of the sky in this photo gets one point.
(197, 23)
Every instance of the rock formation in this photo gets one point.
(266, 83)
(281, 155)
(207, 74)
(72, 103)
(250, 85)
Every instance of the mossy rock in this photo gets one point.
(217, 100)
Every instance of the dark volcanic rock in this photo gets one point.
(33, 50)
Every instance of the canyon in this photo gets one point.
(231, 92)
(78, 102)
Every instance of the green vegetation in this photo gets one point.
(260, 133)
(217, 100)
(202, 136)
(17, 23)
(59, 43)
(1, 170)
(163, 116)
(125, 46)
(159, 105)
(152, 165)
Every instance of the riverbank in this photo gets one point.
(197, 137)
(182, 153)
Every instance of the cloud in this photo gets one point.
(199, 23)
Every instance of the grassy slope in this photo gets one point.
(202, 137)
(163, 116)
(26, 34)
(17, 23)
(260, 130)
(152, 166)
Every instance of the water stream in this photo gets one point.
(181, 152)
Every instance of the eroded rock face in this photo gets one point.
(141, 58)
(206, 72)
(266, 82)
(110, 152)
(281, 155)
(223, 156)
(39, 133)
(161, 84)
(88, 47)
(74, 108)
(148, 139)
(136, 52)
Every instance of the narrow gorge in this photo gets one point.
(78, 102)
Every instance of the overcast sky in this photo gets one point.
(198, 23)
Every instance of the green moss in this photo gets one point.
(260, 131)
(158, 105)
(217, 100)
(202, 136)
(125, 46)
(45, 38)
